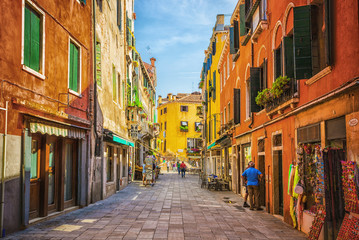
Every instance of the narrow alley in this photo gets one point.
(174, 208)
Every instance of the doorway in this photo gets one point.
(35, 177)
(262, 184)
(278, 182)
(69, 165)
(52, 163)
(118, 169)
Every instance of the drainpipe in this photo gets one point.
(3, 172)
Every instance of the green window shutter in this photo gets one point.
(231, 38)
(237, 106)
(242, 19)
(236, 35)
(215, 127)
(264, 75)
(114, 88)
(255, 79)
(278, 62)
(75, 79)
(35, 42)
(302, 42)
(214, 85)
(98, 64)
(27, 37)
(288, 56)
(83, 1)
(71, 68)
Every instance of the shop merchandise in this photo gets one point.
(349, 229)
(349, 186)
(317, 224)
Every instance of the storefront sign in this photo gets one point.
(180, 150)
(353, 122)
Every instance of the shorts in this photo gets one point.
(247, 189)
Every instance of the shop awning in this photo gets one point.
(37, 127)
(212, 145)
(122, 141)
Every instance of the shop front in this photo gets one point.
(54, 167)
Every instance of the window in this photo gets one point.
(263, 77)
(214, 85)
(123, 93)
(165, 125)
(165, 110)
(234, 37)
(161, 126)
(278, 71)
(224, 116)
(114, 84)
(74, 73)
(35, 156)
(193, 144)
(164, 146)
(184, 126)
(161, 111)
(98, 64)
(229, 111)
(196, 127)
(109, 165)
(248, 99)
(255, 79)
(184, 108)
(33, 43)
(312, 39)
(119, 15)
(119, 88)
(237, 106)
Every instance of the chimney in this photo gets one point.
(159, 101)
(153, 60)
(220, 19)
(174, 97)
(169, 96)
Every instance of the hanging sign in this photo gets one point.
(353, 122)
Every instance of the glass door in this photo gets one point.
(52, 187)
(69, 173)
(35, 180)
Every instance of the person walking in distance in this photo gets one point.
(178, 168)
(253, 176)
(183, 169)
(168, 166)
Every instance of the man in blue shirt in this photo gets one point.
(253, 176)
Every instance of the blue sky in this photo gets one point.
(176, 33)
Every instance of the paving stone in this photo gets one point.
(174, 208)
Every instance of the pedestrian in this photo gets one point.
(178, 168)
(253, 176)
(245, 204)
(183, 169)
(168, 166)
(144, 181)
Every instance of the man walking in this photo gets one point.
(253, 176)
(178, 168)
(168, 166)
(183, 169)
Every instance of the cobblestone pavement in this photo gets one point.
(174, 208)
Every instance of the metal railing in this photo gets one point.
(288, 94)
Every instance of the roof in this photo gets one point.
(150, 69)
(194, 97)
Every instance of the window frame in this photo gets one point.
(72, 40)
(41, 73)
(183, 108)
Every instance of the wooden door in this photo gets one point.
(118, 169)
(262, 185)
(52, 172)
(70, 170)
(35, 177)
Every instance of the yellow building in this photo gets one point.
(179, 118)
(210, 84)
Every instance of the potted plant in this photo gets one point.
(264, 97)
(184, 128)
(279, 85)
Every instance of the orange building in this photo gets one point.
(315, 47)
(47, 85)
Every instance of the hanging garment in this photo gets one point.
(295, 182)
(349, 229)
(289, 175)
(292, 212)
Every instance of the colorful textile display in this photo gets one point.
(349, 187)
(289, 174)
(317, 224)
(292, 212)
(319, 186)
(349, 229)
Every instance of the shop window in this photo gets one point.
(309, 134)
(110, 163)
(184, 108)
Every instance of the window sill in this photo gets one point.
(319, 75)
(75, 93)
(33, 72)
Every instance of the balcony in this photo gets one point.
(146, 129)
(289, 98)
(193, 152)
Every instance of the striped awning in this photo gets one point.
(122, 141)
(36, 127)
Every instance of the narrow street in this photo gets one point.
(174, 208)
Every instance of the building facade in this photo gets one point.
(46, 102)
(179, 119)
(293, 82)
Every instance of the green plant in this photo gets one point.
(200, 85)
(279, 85)
(210, 88)
(264, 97)
(184, 128)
